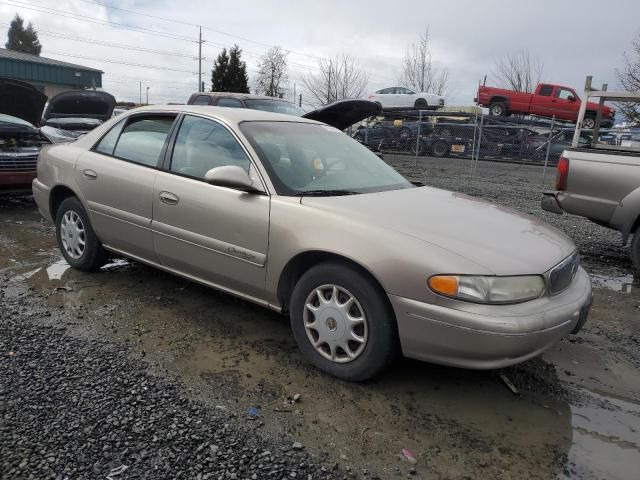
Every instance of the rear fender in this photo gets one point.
(626, 214)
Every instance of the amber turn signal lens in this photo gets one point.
(444, 284)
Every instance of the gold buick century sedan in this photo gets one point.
(294, 215)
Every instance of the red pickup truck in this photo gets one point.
(547, 101)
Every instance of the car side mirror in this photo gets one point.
(231, 176)
(571, 98)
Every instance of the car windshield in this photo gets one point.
(313, 159)
(276, 106)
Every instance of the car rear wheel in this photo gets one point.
(342, 322)
(421, 104)
(589, 122)
(498, 109)
(440, 148)
(635, 250)
(77, 241)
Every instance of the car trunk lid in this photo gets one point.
(344, 113)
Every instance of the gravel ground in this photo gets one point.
(129, 366)
(73, 407)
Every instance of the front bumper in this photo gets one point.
(490, 336)
(16, 182)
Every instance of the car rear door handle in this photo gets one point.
(90, 174)
(169, 198)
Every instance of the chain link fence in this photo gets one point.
(472, 136)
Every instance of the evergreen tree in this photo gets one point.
(238, 81)
(22, 39)
(219, 73)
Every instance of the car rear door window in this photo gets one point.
(142, 139)
(202, 144)
(546, 90)
(229, 102)
(201, 100)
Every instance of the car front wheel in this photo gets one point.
(77, 241)
(342, 322)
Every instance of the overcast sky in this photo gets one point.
(571, 39)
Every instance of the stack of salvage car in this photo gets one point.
(23, 109)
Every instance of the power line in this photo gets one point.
(156, 67)
(62, 13)
(107, 44)
(157, 17)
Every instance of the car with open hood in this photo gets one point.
(21, 106)
(295, 216)
(69, 115)
(340, 114)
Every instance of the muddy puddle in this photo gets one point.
(577, 414)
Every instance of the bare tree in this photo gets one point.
(337, 78)
(418, 71)
(272, 73)
(629, 78)
(518, 71)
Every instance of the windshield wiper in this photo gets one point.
(324, 193)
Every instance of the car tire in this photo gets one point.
(378, 330)
(635, 250)
(589, 122)
(421, 104)
(440, 148)
(498, 109)
(76, 239)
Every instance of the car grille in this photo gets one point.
(18, 162)
(560, 277)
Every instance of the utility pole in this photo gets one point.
(140, 93)
(200, 42)
(147, 95)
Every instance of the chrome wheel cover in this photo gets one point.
(72, 234)
(335, 323)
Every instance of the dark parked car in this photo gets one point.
(21, 105)
(340, 114)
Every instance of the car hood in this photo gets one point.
(344, 113)
(502, 240)
(21, 100)
(81, 103)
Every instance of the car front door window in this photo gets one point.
(203, 144)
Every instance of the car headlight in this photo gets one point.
(488, 289)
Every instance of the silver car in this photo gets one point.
(294, 215)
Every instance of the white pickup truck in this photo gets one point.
(601, 182)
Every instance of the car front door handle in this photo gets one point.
(90, 174)
(169, 198)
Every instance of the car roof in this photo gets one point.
(240, 96)
(231, 116)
